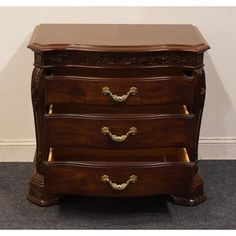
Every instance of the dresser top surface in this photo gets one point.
(117, 37)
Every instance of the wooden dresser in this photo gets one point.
(117, 111)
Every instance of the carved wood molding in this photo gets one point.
(199, 99)
(35, 95)
(115, 60)
(201, 76)
(35, 83)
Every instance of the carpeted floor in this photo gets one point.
(218, 212)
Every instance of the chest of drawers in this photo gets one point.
(117, 111)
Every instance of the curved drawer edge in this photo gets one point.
(116, 164)
(150, 178)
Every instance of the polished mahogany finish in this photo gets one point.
(152, 130)
(117, 111)
(88, 174)
(110, 37)
(150, 91)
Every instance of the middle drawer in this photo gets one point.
(119, 131)
(115, 91)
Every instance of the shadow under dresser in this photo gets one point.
(117, 111)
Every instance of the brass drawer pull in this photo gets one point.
(132, 131)
(132, 91)
(118, 187)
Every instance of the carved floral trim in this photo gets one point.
(116, 60)
(35, 86)
(35, 90)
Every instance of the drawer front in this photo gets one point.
(117, 91)
(120, 131)
(117, 179)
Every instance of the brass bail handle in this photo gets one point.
(122, 98)
(106, 131)
(118, 187)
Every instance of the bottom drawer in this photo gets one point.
(119, 179)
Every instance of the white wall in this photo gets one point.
(217, 24)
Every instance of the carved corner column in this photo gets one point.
(199, 97)
(37, 95)
(196, 194)
(36, 192)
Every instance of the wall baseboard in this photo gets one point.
(217, 148)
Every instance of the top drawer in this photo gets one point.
(117, 91)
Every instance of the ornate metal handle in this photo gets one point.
(118, 187)
(132, 131)
(132, 91)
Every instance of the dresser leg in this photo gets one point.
(188, 200)
(195, 196)
(37, 193)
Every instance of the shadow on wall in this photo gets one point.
(217, 103)
(218, 112)
(15, 99)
